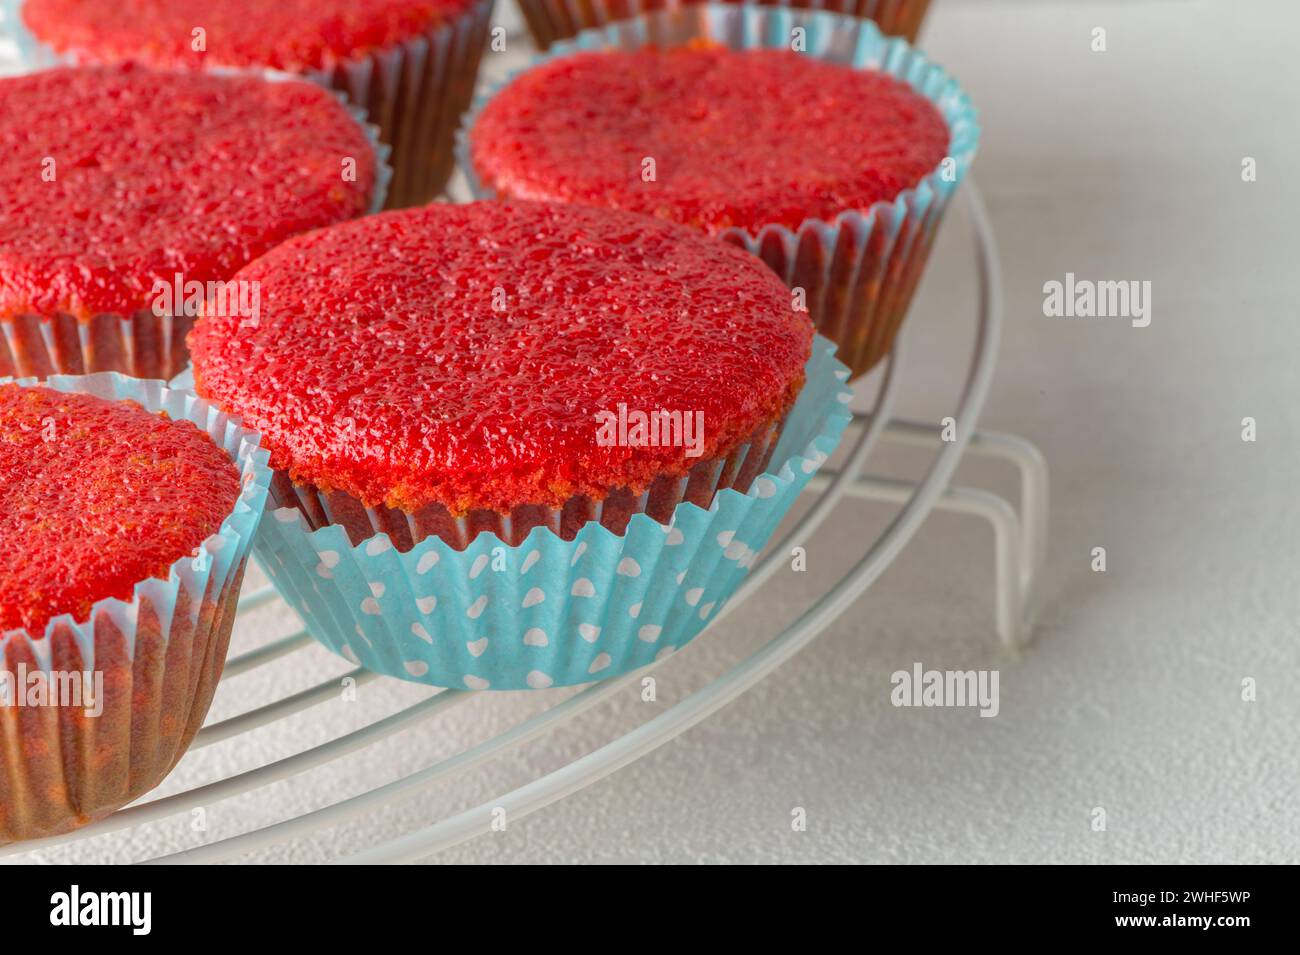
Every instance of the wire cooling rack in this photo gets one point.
(1019, 539)
(1019, 543)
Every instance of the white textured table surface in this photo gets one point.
(1117, 165)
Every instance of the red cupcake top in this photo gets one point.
(96, 496)
(294, 35)
(471, 354)
(708, 136)
(116, 178)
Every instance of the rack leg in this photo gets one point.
(1020, 538)
(1029, 462)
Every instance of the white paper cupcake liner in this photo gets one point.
(414, 92)
(551, 20)
(160, 653)
(859, 270)
(141, 344)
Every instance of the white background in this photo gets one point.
(1120, 165)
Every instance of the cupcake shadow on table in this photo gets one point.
(826, 149)
(129, 512)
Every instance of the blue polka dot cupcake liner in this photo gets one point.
(160, 653)
(859, 270)
(547, 611)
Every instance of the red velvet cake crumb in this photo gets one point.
(115, 178)
(294, 35)
(96, 496)
(737, 138)
(461, 354)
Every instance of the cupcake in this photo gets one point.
(126, 510)
(128, 197)
(540, 399)
(834, 165)
(410, 64)
(551, 20)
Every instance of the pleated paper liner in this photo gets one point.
(859, 270)
(414, 92)
(736, 470)
(160, 653)
(533, 610)
(142, 344)
(551, 20)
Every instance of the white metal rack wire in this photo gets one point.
(1019, 537)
